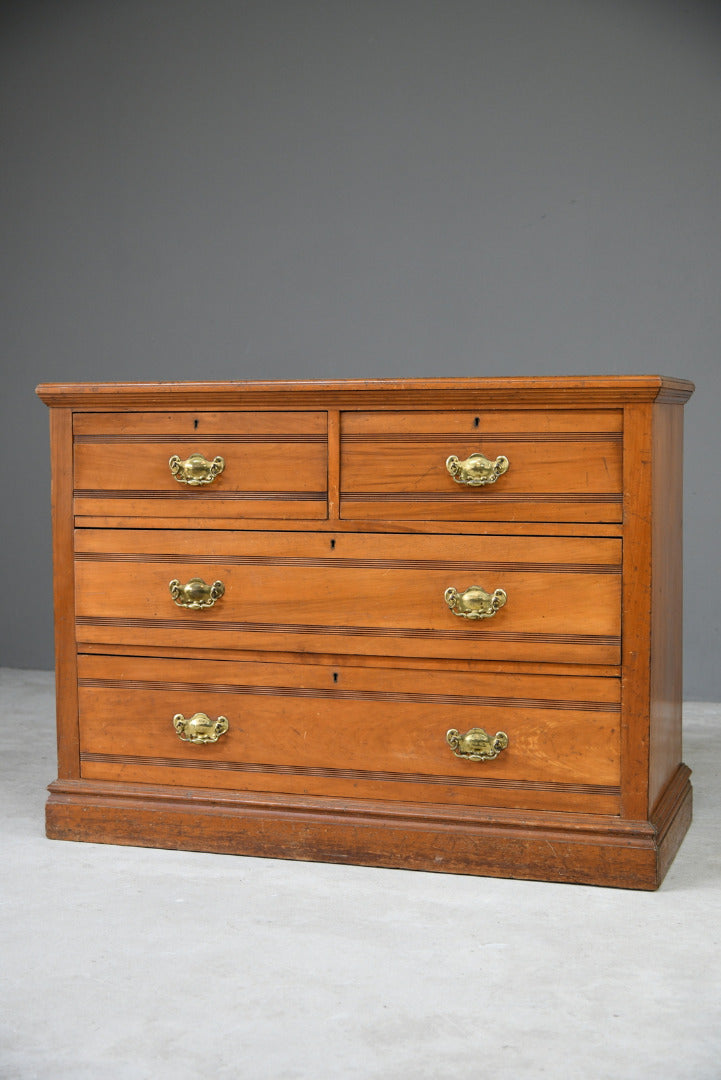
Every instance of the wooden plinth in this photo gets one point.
(583, 849)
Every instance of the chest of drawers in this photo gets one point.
(431, 624)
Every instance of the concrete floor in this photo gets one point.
(128, 963)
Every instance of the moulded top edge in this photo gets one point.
(436, 392)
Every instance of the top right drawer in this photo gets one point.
(550, 465)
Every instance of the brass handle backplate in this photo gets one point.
(476, 744)
(199, 728)
(474, 603)
(196, 469)
(476, 470)
(196, 594)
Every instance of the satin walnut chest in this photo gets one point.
(431, 624)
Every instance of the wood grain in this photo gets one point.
(517, 425)
(579, 848)
(364, 729)
(666, 690)
(275, 465)
(564, 466)
(126, 427)
(66, 690)
(564, 597)
(467, 394)
(336, 530)
(637, 577)
(407, 527)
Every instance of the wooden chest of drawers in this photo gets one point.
(432, 624)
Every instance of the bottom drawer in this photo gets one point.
(354, 732)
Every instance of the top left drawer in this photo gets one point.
(141, 465)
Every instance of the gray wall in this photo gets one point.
(225, 189)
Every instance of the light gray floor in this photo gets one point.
(129, 963)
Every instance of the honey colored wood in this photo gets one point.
(126, 427)
(361, 595)
(637, 578)
(666, 669)
(333, 466)
(66, 687)
(244, 507)
(425, 663)
(418, 467)
(592, 392)
(142, 469)
(372, 731)
(386, 788)
(563, 466)
(421, 507)
(513, 424)
(380, 525)
(575, 848)
(553, 554)
(333, 652)
(265, 475)
(275, 465)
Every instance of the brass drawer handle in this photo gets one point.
(196, 469)
(474, 603)
(199, 728)
(196, 594)
(476, 470)
(476, 745)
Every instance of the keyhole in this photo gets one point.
(476, 421)
(195, 423)
(335, 676)
(332, 543)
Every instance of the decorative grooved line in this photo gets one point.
(460, 565)
(478, 435)
(203, 440)
(480, 701)
(350, 774)
(347, 631)
(202, 493)
(486, 497)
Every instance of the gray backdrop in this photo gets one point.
(297, 188)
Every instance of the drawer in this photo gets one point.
(352, 732)
(274, 465)
(562, 466)
(367, 594)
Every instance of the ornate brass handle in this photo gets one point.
(474, 603)
(196, 469)
(476, 470)
(476, 745)
(196, 594)
(199, 728)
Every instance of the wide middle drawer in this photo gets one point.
(363, 594)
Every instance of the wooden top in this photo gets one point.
(472, 393)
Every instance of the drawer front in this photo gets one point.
(562, 466)
(274, 465)
(367, 594)
(348, 731)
